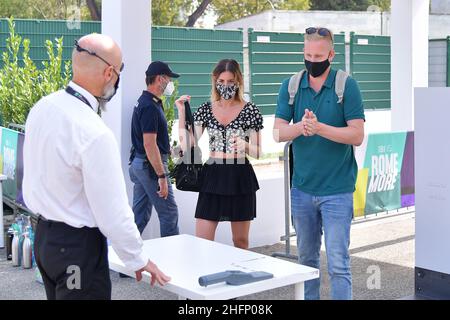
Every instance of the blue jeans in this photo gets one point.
(312, 216)
(145, 197)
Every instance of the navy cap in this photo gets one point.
(160, 68)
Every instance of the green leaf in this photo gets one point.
(23, 84)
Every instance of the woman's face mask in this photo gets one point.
(227, 91)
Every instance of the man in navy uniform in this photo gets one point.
(150, 153)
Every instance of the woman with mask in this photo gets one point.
(234, 126)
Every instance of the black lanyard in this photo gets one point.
(79, 96)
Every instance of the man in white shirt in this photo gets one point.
(73, 180)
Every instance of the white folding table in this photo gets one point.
(185, 258)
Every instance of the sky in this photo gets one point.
(207, 20)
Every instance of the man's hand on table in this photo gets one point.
(157, 275)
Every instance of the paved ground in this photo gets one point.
(384, 245)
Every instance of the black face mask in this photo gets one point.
(110, 95)
(316, 69)
(116, 87)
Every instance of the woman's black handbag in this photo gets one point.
(189, 168)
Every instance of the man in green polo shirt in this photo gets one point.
(323, 131)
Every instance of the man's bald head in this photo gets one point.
(86, 65)
(99, 73)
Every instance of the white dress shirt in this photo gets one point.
(73, 174)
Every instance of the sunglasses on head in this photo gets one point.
(324, 32)
(92, 53)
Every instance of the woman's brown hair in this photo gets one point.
(232, 66)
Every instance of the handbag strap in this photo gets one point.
(189, 121)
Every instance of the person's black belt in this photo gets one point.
(42, 218)
(48, 221)
(140, 155)
(54, 222)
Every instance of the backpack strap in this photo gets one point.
(294, 83)
(339, 86)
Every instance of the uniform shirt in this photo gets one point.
(73, 174)
(149, 117)
(221, 138)
(322, 167)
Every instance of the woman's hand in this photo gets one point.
(239, 145)
(179, 103)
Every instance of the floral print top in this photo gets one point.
(220, 136)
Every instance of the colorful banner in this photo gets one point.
(19, 168)
(386, 173)
(9, 160)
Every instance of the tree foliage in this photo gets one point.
(229, 10)
(44, 9)
(22, 83)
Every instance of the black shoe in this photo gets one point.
(122, 275)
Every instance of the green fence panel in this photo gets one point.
(193, 53)
(275, 56)
(370, 65)
(38, 31)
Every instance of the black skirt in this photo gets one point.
(228, 191)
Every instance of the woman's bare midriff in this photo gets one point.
(224, 155)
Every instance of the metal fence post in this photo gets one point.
(287, 206)
(448, 61)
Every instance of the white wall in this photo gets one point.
(439, 26)
(409, 58)
(370, 23)
(266, 229)
(260, 21)
(347, 21)
(440, 6)
(298, 21)
(432, 174)
(377, 121)
(130, 27)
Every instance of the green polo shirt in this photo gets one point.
(322, 167)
